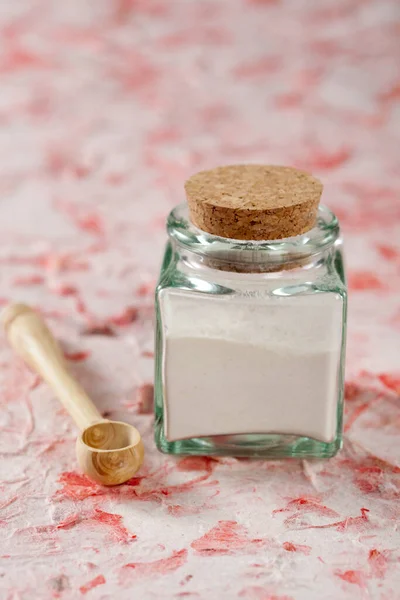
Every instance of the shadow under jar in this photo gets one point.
(250, 337)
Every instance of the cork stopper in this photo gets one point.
(253, 202)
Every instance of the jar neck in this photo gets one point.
(253, 256)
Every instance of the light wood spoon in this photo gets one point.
(110, 452)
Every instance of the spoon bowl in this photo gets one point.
(110, 452)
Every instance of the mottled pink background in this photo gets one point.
(106, 106)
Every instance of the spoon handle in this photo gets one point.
(32, 340)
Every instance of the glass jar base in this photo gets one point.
(266, 446)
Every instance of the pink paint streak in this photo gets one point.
(178, 510)
(145, 398)
(50, 262)
(99, 328)
(392, 382)
(146, 289)
(378, 563)
(114, 521)
(156, 567)
(125, 8)
(391, 95)
(365, 281)
(197, 463)
(352, 416)
(195, 35)
(77, 356)
(319, 160)
(152, 491)
(308, 504)
(145, 488)
(64, 289)
(354, 577)
(99, 580)
(135, 73)
(69, 522)
(111, 521)
(151, 488)
(369, 479)
(29, 280)
(389, 253)
(356, 524)
(259, 593)
(289, 547)
(375, 207)
(78, 487)
(226, 537)
(263, 3)
(91, 223)
(258, 68)
(353, 391)
(87, 221)
(128, 316)
(18, 58)
(290, 100)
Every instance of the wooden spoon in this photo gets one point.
(110, 452)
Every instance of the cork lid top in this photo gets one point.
(253, 202)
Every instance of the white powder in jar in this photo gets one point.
(241, 365)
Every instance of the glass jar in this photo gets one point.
(250, 343)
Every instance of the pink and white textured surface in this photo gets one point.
(105, 107)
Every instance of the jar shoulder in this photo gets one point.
(327, 274)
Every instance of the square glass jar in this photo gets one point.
(250, 343)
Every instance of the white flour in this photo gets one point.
(265, 365)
